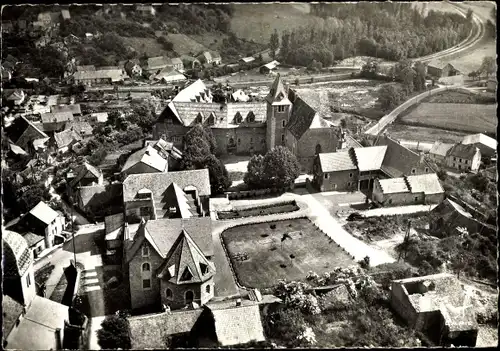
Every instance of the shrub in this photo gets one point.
(114, 333)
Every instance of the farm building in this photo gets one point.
(169, 75)
(269, 67)
(84, 129)
(55, 122)
(210, 57)
(146, 160)
(190, 62)
(155, 64)
(438, 151)
(440, 69)
(133, 68)
(491, 85)
(65, 140)
(168, 151)
(100, 76)
(464, 157)
(339, 166)
(247, 59)
(438, 306)
(408, 190)
(486, 144)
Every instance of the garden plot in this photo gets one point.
(263, 253)
(400, 131)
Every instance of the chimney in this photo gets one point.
(58, 339)
(238, 302)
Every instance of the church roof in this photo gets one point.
(16, 254)
(276, 89)
(185, 262)
(303, 117)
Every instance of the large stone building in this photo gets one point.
(250, 127)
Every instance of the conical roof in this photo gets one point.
(278, 91)
(185, 263)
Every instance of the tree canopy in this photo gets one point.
(114, 333)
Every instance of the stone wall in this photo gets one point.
(247, 139)
(327, 140)
(338, 181)
(401, 304)
(201, 296)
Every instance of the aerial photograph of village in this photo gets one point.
(261, 175)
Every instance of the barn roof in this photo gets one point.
(393, 185)
(336, 161)
(480, 139)
(370, 158)
(426, 183)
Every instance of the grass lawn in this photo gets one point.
(259, 211)
(43, 274)
(235, 176)
(474, 118)
(461, 97)
(268, 260)
(424, 134)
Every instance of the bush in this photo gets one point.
(114, 333)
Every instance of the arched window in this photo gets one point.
(207, 289)
(145, 251)
(189, 296)
(169, 294)
(146, 267)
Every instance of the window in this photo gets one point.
(454, 158)
(170, 294)
(146, 284)
(454, 164)
(460, 159)
(239, 141)
(282, 137)
(334, 186)
(283, 123)
(251, 140)
(145, 251)
(326, 175)
(186, 275)
(189, 296)
(169, 121)
(207, 289)
(173, 210)
(144, 211)
(350, 175)
(426, 169)
(466, 161)
(28, 280)
(390, 201)
(459, 166)
(281, 108)
(251, 117)
(348, 183)
(413, 170)
(146, 267)
(416, 198)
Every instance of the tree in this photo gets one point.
(488, 66)
(30, 197)
(255, 171)
(390, 96)
(280, 167)
(114, 333)
(419, 77)
(274, 43)
(219, 177)
(285, 44)
(370, 69)
(143, 115)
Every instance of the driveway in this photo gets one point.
(391, 211)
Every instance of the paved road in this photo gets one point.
(391, 211)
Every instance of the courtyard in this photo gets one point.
(263, 253)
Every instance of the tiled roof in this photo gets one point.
(439, 148)
(22, 131)
(398, 160)
(32, 239)
(189, 93)
(87, 171)
(75, 109)
(426, 183)
(480, 139)
(370, 158)
(148, 156)
(463, 151)
(158, 62)
(57, 117)
(185, 263)
(66, 137)
(16, 254)
(238, 325)
(393, 185)
(150, 331)
(336, 161)
(44, 213)
(164, 233)
(11, 311)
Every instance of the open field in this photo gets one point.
(258, 21)
(423, 134)
(474, 118)
(461, 97)
(146, 45)
(268, 261)
(184, 45)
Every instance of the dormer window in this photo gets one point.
(145, 251)
(173, 210)
(186, 275)
(281, 108)
(199, 118)
(238, 118)
(211, 119)
(203, 268)
(251, 117)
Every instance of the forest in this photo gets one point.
(390, 31)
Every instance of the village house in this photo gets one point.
(93, 118)
(75, 109)
(209, 58)
(247, 59)
(450, 218)
(438, 152)
(84, 129)
(100, 76)
(23, 133)
(92, 197)
(269, 67)
(168, 151)
(168, 262)
(7, 27)
(408, 190)
(85, 175)
(133, 68)
(239, 96)
(145, 195)
(146, 160)
(30, 322)
(190, 62)
(85, 68)
(145, 10)
(154, 65)
(283, 119)
(226, 323)
(438, 306)
(440, 69)
(487, 145)
(16, 98)
(357, 168)
(65, 140)
(464, 157)
(169, 75)
(55, 122)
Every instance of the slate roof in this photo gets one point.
(440, 148)
(149, 332)
(480, 139)
(237, 325)
(176, 197)
(113, 226)
(271, 65)
(164, 148)
(36, 331)
(393, 185)
(86, 171)
(16, 254)
(426, 183)
(75, 109)
(303, 117)
(169, 74)
(11, 311)
(276, 89)
(44, 213)
(189, 93)
(66, 137)
(336, 161)
(163, 233)
(32, 238)
(22, 131)
(248, 59)
(65, 14)
(398, 160)
(370, 158)
(16, 95)
(148, 156)
(17, 150)
(185, 263)
(462, 151)
(159, 62)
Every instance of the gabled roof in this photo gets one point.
(393, 185)
(439, 148)
(11, 311)
(463, 151)
(44, 213)
(113, 226)
(336, 161)
(238, 324)
(113, 74)
(162, 234)
(271, 65)
(86, 171)
(17, 150)
(66, 137)
(277, 91)
(16, 95)
(149, 156)
(398, 160)
(176, 197)
(370, 158)
(65, 14)
(158, 62)
(22, 131)
(302, 118)
(248, 59)
(32, 239)
(82, 128)
(426, 183)
(480, 139)
(189, 93)
(171, 73)
(165, 149)
(86, 68)
(185, 263)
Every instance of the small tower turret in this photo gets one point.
(278, 113)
